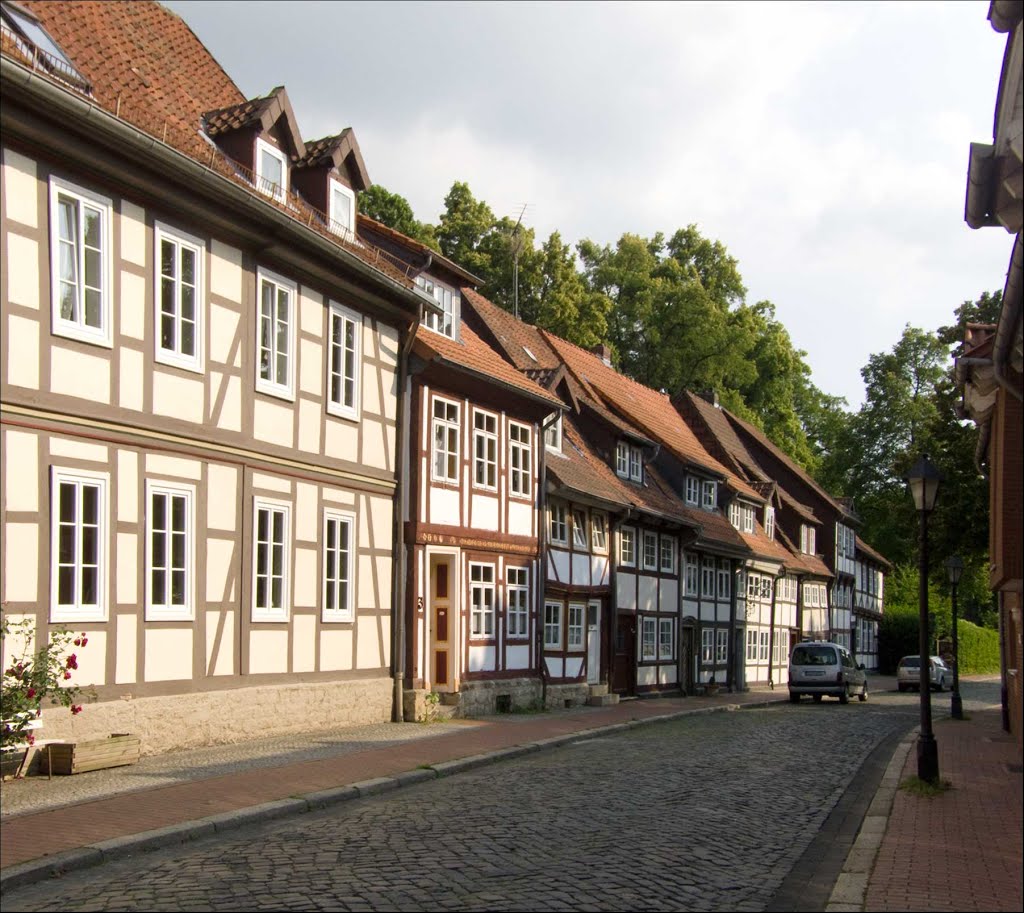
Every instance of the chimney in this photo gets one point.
(603, 352)
(710, 396)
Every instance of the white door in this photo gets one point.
(593, 643)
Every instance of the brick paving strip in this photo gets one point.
(958, 851)
(38, 845)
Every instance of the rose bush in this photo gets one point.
(35, 676)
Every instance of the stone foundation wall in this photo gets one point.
(224, 717)
(561, 696)
(481, 698)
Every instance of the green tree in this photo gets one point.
(464, 224)
(394, 211)
(566, 307)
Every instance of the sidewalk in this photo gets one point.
(969, 860)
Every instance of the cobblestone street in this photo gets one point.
(710, 812)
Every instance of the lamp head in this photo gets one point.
(923, 480)
(954, 568)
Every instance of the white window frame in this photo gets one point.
(558, 526)
(197, 246)
(648, 639)
(691, 568)
(517, 603)
(622, 459)
(724, 579)
(763, 654)
(692, 490)
(338, 313)
(77, 611)
(721, 646)
(708, 573)
(275, 388)
(753, 586)
(282, 189)
(627, 546)
(769, 522)
(599, 531)
(335, 224)
(482, 610)
(63, 326)
(445, 323)
(751, 645)
(485, 436)
(649, 555)
(156, 611)
(519, 460)
(667, 548)
(812, 535)
(448, 425)
(748, 518)
(666, 644)
(552, 626)
(346, 612)
(553, 434)
(707, 646)
(269, 612)
(636, 466)
(708, 495)
(735, 515)
(574, 628)
(766, 588)
(579, 528)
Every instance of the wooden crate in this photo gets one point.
(78, 757)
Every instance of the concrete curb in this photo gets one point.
(850, 890)
(36, 870)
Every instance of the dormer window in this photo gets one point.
(709, 499)
(553, 434)
(692, 490)
(28, 34)
(451, 303)
(807, 539)
(769, 522)
(343, 209)
(271, 171)
(628, 462)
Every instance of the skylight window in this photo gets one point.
(528, 352)
(35, 38)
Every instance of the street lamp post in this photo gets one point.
(923, 480)
(954, 568)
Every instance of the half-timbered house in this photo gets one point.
(199, 386)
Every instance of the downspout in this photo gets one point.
(613, 602)
(542, 553)
(771, 634)
(399, 571)
(730, 654)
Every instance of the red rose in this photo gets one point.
(31, 739)
(67, 675)
(31, 693)
(85, 640)
(72, 661)
(76, 708)
(77, 641)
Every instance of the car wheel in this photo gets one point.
(817, 698)
(844, 698)
(794, 698)
(863, 696)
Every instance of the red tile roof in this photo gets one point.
(513, 335)
(139, 56)
(148, 68)
(372, 226)
(473, 354)
(651, 411)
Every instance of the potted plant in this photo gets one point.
(29, 678)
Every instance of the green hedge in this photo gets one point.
(898, 636)
(979, 649)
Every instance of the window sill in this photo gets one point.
(72, 331)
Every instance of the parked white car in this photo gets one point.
(908, 674)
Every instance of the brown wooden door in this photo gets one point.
(625, 655)
(441, 623)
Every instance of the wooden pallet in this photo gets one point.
(78, 757)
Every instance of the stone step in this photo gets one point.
(599, 689)
(450, 699)
(602, 700)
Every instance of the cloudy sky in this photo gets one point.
(825, 144)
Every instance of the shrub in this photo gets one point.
(978, 648)
(33, 677)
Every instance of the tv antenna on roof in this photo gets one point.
(517, 246)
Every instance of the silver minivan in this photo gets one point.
(818, 668)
